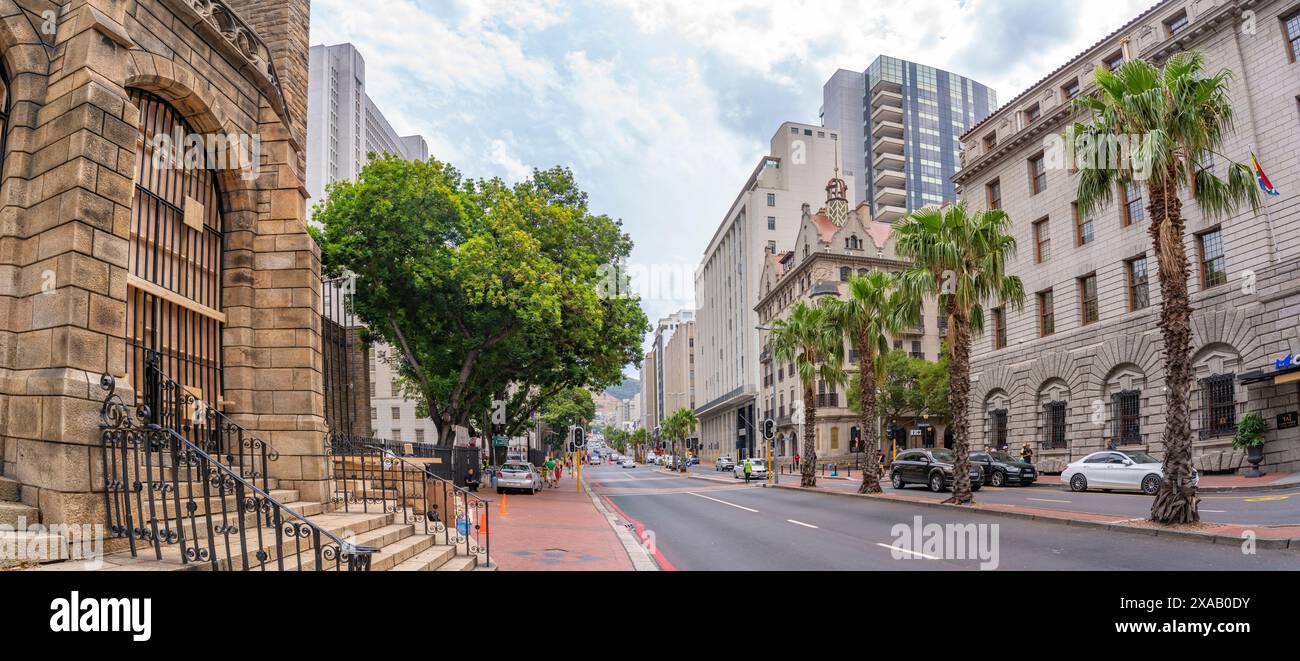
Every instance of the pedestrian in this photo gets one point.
(559, 472)
(548, 472)
(1110, 444)
(881, 461)
(472, 479)
(749, 469)
(1027, 454)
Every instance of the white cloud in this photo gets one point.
(501, 155)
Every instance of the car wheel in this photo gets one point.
(976, 487)
(936, 483)
(999, 479)
(897, 480)
(500, 491)
(1151, 485)
(1078, 483)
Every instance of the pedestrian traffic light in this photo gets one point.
(769, 429)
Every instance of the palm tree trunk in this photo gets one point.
(867, 402)
(1176, 501)
(959, 402)
(808, 467)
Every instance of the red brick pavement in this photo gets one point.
(554, 530)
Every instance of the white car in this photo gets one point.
(758, 472)
(628, 463)
(1121, 470)
(724, 464)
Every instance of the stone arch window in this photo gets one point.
(853, 243)
(1124, 393)
(177, 242)
(846, 274)
(5, 101)
(1053, 422)
(997, 407)
(1218, 399)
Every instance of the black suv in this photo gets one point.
(932, 467)
(1001, 469)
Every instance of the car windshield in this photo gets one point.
(516, 468)
(1142, 458)
(943, 455)
(1002, 456)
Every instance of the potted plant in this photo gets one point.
(1250, 437)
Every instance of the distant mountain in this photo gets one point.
(627, 390)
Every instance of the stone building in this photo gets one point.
(111, 248)
(1081, 365)
(826, 256)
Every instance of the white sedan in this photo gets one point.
(758, 472)
(1121, 470)
(628, 463)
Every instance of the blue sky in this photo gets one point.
(663, 107)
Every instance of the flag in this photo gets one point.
(1264, 183)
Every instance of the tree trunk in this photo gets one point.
(808, 467)
(868, 426)
(1177, 500)
(959, 402)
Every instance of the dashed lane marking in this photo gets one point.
(907, 551)
(739, 507)
(1049, 500)
(801, 523)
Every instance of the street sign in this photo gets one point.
(769, 429)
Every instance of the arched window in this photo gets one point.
(174, 306)
(4, 116)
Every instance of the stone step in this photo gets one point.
(428, 560)
(283, 496)
(460, 563)
(9, 490)
(30, 549)
(12, 513)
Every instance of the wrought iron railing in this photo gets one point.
(162, 489)
(369, 476)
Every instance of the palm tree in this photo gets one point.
(868, 316)
(1183, 117)
(962, 259)
(678, 427)
(811, 340)
(639, 439)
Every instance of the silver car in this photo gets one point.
(758, 472)
(519, 476)
(724, 464)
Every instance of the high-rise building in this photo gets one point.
(344, 125)
(911, 117)
(762, 221)
(1081, 366)
(672, 390)
(649, 390)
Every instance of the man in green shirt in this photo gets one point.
(548, 472)
(749, 468)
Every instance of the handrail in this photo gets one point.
(128, 482)
(385, 483)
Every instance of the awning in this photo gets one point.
(1276, 377)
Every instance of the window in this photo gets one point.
(771, 222)
(1114, 61)
(395, 413)
(1042, 241)
(771, 199)
(990, 142)
(1032, 113)
(1046, 314)
(1214, 270)
(1134, 210)
(1291, 28)
(1037, 174)
(1071, 89)
(374, 413)
(1083, 233)
(1126, 425)
(4, 114)
(771, 247)
(998, 428)
(419, 436)
(1088, 299)
(999, 328)
(1054, 426)
(372, 388)
(1218, 406)
(1139, 295)
(916, 350)
(395, 434)
(1176, 24)
(994, 190)
(846, 273)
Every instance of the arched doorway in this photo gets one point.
(174, 288)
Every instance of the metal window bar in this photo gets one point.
(1054, 426)
(1126, 425)
(1218, 406)
(999, 428)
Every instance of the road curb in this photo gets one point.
(1207, 538)
(636, 552)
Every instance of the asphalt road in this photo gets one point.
(699, 525)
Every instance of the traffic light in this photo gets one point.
(769, 429)
(579, 437)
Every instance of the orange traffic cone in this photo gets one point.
(504, 496)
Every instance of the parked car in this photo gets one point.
(723, 464)
(519, 476)
(932, 467)
(1121, 470)
(1001, 469)
(759, 471)
(628, 463)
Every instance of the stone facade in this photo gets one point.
(65, 226)
(1241, 326)
(825, 257)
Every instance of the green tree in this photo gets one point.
(1183, 117)
(639, 440)
(960, 258)
(573, 407)
(872, 312)
(479, 286)
(678, 427)
(811, 340)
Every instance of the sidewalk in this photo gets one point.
(554, 530)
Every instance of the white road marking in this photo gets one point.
(1216, 511)
(1049, 500)
(908, 551)
(807, 525)
(725, 503)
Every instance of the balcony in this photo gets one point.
(891, 177)
(890, 196)
(887, 113)
(826, 289)
(886, 97)
(828, 400)
(888, 160)
(888, 130)
(889, 146)
(890, 214)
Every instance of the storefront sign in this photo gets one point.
(1288, 420)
